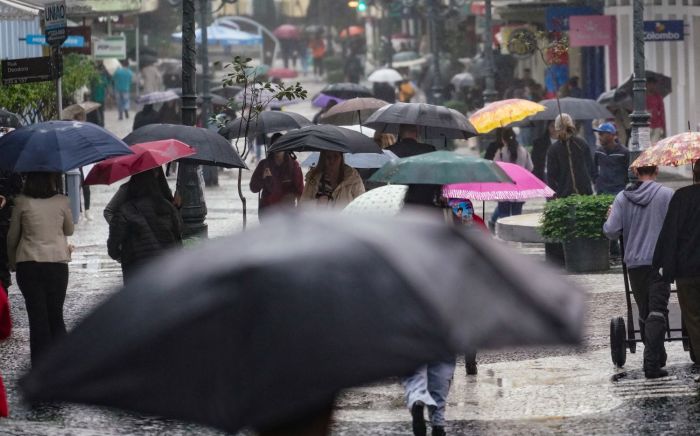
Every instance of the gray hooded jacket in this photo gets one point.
(639, 213)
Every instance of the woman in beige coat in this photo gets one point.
(38, 250)
(331, 183)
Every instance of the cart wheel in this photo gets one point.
(618, 336)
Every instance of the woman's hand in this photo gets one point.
(267, 172)
(3, 201)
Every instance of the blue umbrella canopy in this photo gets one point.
(222, 35)
(58, 146)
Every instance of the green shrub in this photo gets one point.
(335, 76)
(457, 105)
(574, 217)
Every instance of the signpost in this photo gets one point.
(55, 32)
(74, 41)
(29, 70)
(663, 30)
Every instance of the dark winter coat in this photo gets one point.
(10, 186)
(410, 147)
(284, 187)
(561, 156)
(677, 250)
(612, 169)
(539, 155)
(143, 228)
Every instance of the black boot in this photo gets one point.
(418, 420)
(655, 373)
(438, 430)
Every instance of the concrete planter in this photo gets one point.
(587, 255)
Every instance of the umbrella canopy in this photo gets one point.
(385, 200)
(351, 31)
(357, 160)
(223, 35)
(525, 186)
(676, 150)
(353, 111)
(663, 84)
(265, 122)
(436, 121)
(247, 338)
(146, 156)
(387, 75)
(502, 113)
(57, 146)
(405, 56)
(346, 90)
(212, 148)
(9, 119)
(287, 31)
(215, 98)
(440, 168)
(157, 97)
(616, 98)
(462, 80)
(321, 100)
(282, 73)
(226, 91)
(325, 137)
(578, 108)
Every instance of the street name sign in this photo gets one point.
(27, 70)
(109, 47)
(663, 30)
(73, 41)
(55, 22)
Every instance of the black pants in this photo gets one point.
(318, 66)
(651, 295)
(689, 299)
(43, 285)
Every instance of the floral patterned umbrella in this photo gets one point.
(502, 113)
(681, 149)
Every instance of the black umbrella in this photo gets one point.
(216, 99)
(264, 122)
(578, 108)
(433, 121)
(346, 90)
(663, 84)
(212, 148)
(258, 337)
(325, 137)
(616, 98)
(9, 119)
(227, 91)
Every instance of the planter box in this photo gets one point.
(554, 253)
(587, 255)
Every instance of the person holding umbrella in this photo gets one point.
(278, 179)
(38, 251)
(145, 225)
(408, 144)
(332, 183)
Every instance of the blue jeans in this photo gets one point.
(506, 208)
(430, 384)
(122, 103)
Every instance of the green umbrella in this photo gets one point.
(439, 168)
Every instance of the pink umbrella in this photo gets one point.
(526, 186)
(282, 73)
(287, 31)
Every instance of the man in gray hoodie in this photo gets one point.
(638, 213)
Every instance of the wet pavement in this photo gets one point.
(560, 390)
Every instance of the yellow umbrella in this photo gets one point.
(504, 112)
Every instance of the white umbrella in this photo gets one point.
(462, 80)
(383, 201)
(388, 75)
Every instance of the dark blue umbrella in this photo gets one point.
(58, 146)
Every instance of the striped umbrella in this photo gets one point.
(157, 97)
(504, 112)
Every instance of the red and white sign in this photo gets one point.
(591, 30)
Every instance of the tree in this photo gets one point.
(36, 102)
(257, 94)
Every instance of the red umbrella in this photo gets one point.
(147, 155)
(282, 73)
(287, 31)
(352, 31)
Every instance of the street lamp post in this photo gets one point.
(436, 90)
(640, 138)
(490, 91)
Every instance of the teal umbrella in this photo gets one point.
(440, 168)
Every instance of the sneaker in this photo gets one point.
(656, 374)
(438, 430)
(418, 420)
(88, 215)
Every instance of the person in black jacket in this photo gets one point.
(10, 186)
(678, 256)
(611, 161)
(145, 225)
(408, 144)
(539, 150)
(147, 115)
(570, 167)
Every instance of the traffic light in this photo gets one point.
(361, 6)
